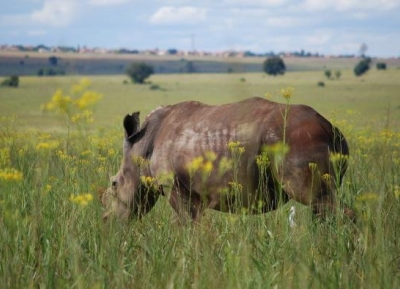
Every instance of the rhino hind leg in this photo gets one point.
(316, 188)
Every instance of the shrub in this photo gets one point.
(48, 71)
(362, 67)
(328, 73)
(321, 83)
(381, 66)
(12, 81)
(155, 87)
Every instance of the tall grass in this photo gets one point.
(52, 235)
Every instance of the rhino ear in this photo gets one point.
(131, 124)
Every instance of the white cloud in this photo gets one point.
(173, 15)
(107, 2)
(256, 2)
(347, 5)
(55, 12)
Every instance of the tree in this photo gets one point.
(274, 66)
(139, 72)
(338, 73)
(328, 73)
(53, 60)
(362, 67)
(381, 66)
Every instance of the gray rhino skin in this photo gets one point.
(159, 159)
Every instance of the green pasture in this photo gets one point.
(52, 235)
(372, 100)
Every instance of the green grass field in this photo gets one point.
(51, 231)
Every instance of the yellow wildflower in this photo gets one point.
(277, 149)
(312, 166)
(46, 189)
(148, 181)
(207, 167)
(225, 165)
(140, 161)
(233, 145)
(262, 159)
(326, 177)
(82, 199)
(236, 187)
(47, 145)
(210, 155)
(337, 157)
(87, 99)
(81, 86)
(10, 174)
(235, 148)
(287, 92)
(196, 164)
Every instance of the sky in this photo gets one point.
(329, 27)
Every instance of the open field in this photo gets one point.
(29, 63)
(374, 98)
(51, 231)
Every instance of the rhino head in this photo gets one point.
(131, 193)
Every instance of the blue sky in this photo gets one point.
(323, 26)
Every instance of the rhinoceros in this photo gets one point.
(249, 156)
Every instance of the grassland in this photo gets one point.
(50, 220)
(374, 97)
(25, 64)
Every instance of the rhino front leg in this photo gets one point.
(187, 204)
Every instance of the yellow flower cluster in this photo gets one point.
(278, 149)
(148, 181)
(83, 84)
(49, 145)
(326, 177)
(337, 157)
(200, 163)
(140, 161)
(85, 116)
(287, 92)
(76, 108)
(262, 160)
(234, 147)
(59, 102)
(82, 200)
(88, 98)
(10, 174)
(312, 166)
(225, 164)
(236, 187)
